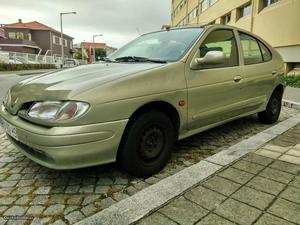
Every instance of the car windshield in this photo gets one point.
(163, 46)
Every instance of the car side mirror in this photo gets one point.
(211, 58)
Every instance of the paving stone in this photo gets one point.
(276, 148)
(23, 190)
(248, 166)
(3, 208)
(157, 219)
(267, 153)
(89, 199)
(105, 203)
(40, 200)
(87, 189)
(236, 175)
(59, 222)
(141, 185)
(89, 209)
(238, 212)
(183, 211)
(7, 200)
(292, 194)
(152, 180)
(24, 200)
(54, 210)
(35, 210)
(74, 200)
(204, 197)
(10, 183)
(72, 208)
(24, 183)
(58, 199)
(221, 185)
(102, 189)
(266, 185)
(253, 197)
(72, 189)
(290, 159)
(105, 181)
(15, 211)
(121, 180)
(286, 210)
(213, 219)
(131, 190)
(268, 219)
(120, 196)
(276, 175)
(296, 182)
(294, 152)
(42, 190)
(74, 217)
(258, 159)
(5, 191)
(40, 221)
(285, 166)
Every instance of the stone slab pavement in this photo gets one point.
(292, 94)
(46, 196)
(261, 188)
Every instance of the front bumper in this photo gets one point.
(67, 147)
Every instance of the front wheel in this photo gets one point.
(147, 144)
(272, 112)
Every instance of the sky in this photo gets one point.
(119, 21)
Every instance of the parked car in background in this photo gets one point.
(162, 87)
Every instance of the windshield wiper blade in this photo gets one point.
(109, 60)
(138, 59)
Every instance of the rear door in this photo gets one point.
(259, 74)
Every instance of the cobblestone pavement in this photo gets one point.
(254, 190)
(64, 197)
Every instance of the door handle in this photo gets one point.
(237, 78)
(274, 72)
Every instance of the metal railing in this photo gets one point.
(25, 58)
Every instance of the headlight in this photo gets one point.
(55, 111)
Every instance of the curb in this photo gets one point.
(139, 205)
(291, 104)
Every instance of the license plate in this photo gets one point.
(9, 129)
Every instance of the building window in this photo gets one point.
(245, 10)
(11, 35)
(65, 43)
(193, 14)
(211, 2)
(56, 40)
(204, 5)
(267, 3)
(226, 19)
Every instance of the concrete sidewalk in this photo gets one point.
(262, 188)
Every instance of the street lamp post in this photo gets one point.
(62, 37)
(94, 49)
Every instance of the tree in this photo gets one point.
(100, 53)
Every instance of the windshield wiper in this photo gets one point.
(138, 59)
(108, 60)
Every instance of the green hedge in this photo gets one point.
(13, 67)
(292, 81)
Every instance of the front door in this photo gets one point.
(214, 91)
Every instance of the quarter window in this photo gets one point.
(251, 50)
(224, 41)
(267, 56)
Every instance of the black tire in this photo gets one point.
(147, 144)
(272, 112)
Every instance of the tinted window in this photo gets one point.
(251, 49)
(267, 56)
(224, 41)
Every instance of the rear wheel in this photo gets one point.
(147, 144)
(272, 112)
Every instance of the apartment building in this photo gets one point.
(35, 38)
(276, 21)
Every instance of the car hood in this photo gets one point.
(65, 84)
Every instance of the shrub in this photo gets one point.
(13, 67)
(292, 81)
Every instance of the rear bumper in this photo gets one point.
(67, 147)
